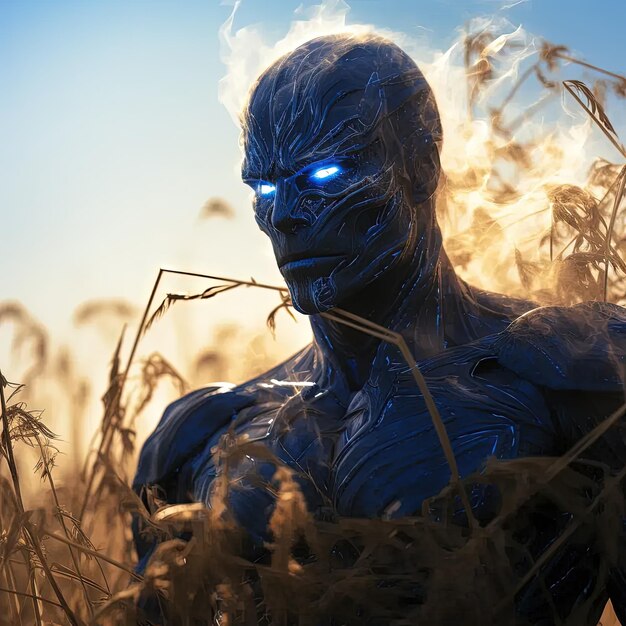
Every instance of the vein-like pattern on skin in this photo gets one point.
(510, 380)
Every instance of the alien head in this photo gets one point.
(341, 149)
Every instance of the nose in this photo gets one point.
(287, 214)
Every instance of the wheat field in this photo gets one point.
(66, 552)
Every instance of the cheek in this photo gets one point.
(386, 226)
(311, 206)
(380, 211)
(262, 209)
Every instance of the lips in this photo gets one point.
(302, 259)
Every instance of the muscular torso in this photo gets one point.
(378, 448)
(374, 452)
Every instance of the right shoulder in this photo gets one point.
(191, 421)
(185, 427)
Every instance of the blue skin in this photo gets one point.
(342, 143)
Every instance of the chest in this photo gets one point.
(383, 455)
(389, 458)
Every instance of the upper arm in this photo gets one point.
(183, 431)
(577, 355)
(581, 416)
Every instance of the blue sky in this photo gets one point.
(113, 136)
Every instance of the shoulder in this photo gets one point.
(577, 348)
(189, 422)
(186, 424)
(582, 347)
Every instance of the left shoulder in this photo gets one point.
(581, 347)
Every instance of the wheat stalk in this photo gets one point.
(28, 530)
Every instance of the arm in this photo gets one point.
(581, 416)
(577, 354)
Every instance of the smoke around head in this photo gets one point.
(509, 139)
(246, 53)
(359, 108)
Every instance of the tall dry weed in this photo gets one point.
(66, 553)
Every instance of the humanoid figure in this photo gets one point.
(342, 140)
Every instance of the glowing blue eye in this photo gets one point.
(266, 189)
(328, 171)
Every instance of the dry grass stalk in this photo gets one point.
(595, 111)
(29, 532)
(580, 223)
(618, 199)
(367, 327)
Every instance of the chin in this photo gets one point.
(313, 296)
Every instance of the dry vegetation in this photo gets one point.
(66, 554)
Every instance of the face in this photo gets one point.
(339, 151)
(336, 224)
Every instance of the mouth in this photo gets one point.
(292, 262)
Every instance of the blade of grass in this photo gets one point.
(107, 436)
(107, 417)
(60, 517)
(567, 57)
(612, 484)
(370, 328)
(8, 447)
(14, 604)
(30, 595)
(36, 597)
(94, 553)
(591, 114)
(609, 235)
(28, 530)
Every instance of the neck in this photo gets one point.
(407, 299)
(411, 299)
